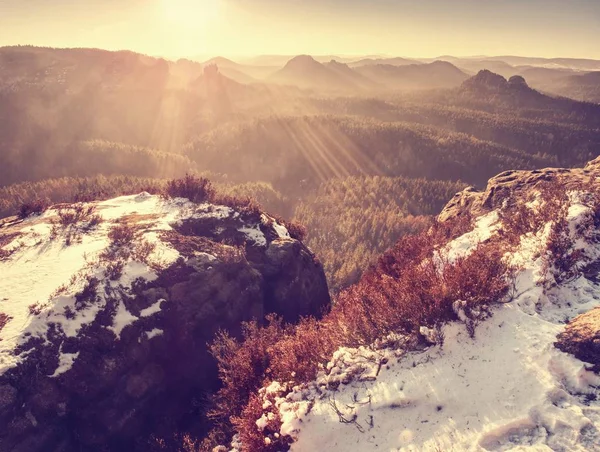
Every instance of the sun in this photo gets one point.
(191, 13)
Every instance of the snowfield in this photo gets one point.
(508, 388)
(42, 275)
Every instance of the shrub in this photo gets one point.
(114, 270)
(409, 288)
(245, 204)
(4, 319)
(254, 438)
(77, 213)
(35, 207)
(143, 250)
(35, 309)
(296, 229)
(76, 219)
(561, 259)
(121, 235)
(88, 294)
(520, 218)
(243, 364)
(196, 189)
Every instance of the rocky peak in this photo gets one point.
(485, 80)
(518, 81)
(107, 309)
(513, 186)
(302, 61)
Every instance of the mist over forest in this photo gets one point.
(382, 143)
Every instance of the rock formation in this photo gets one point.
(512, 186)
(110, 307)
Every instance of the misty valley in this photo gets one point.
(360, 152)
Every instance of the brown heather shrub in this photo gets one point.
(196, 189)
(75, 219)
(35, 309)
(124, 246)
(143, 250)
(114, 270)
(35, 207)
(251, 436)
(4, 319)
(245, 204)
(89, 293)
(519, 220)
(561, 259)
(199, 190)
(407, 289)
(296, 229)
(243, 364)
(121, 235)
(77, 213)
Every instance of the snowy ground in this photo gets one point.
(509, 388)
(46, 273)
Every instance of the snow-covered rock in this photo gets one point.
(508, 387)
(106, 310)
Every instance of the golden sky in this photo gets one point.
(426, 28)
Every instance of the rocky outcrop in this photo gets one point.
(581, 338)
(511, 186)
(485, 80)
(115, 357)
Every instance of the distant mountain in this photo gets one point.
(541, 75)
(559, 81)
(391, 61)
(220, 91)
(439, 74)
(492, 91)
(581, 64)
(307, 73)
(515, 90)
(474, 66)
(243, 73)
(281, 60)
(350, 75)
(585, 87)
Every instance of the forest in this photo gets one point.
(359, 166)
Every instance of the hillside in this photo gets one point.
(455, 338)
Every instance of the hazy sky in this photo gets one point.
(411, 28)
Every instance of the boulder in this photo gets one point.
(513, 186)
(109, 363)
(581, 338)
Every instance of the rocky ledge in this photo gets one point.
(512, 186)
(106, 310)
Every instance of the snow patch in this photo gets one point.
(151, 310)
(154, 333)
(65, 364)
(255, 235)
(485, 227)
